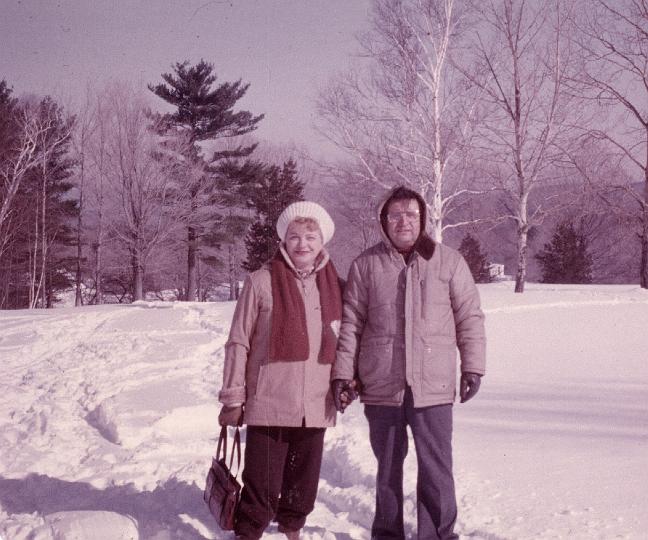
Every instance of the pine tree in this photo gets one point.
(470, 248)
(268, 195)
(13, 144)
(261, 244)
(7, 119)
(566, 258)
(203, 113)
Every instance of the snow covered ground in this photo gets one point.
(108, 422)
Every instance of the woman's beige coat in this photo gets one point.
(276, 393)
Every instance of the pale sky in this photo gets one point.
(286, 49)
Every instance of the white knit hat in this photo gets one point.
(306, 209)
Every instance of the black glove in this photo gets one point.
(344, 392)
(231, 416)
(469, 386)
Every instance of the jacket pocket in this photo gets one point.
(381, 367)
(280, 391)
(261, 382)
(439, 366)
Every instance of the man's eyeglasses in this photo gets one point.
(409, 215)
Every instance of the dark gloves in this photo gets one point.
(344, 392)
(231, 416)
(469, 386)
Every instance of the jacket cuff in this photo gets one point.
(340, 374)
(475, 370)
(232, 396)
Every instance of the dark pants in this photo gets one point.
(280, 477)
(436, 502)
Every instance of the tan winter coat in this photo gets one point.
(402, 324)
(275, 393)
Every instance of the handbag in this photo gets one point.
(222, 490)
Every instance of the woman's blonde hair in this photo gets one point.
(311, 224)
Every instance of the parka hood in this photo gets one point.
(424, 245)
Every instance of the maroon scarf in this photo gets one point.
(288, 333)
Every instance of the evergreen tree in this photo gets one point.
(203, 113)
(7, 120)
(470, 248)
(566, 259)
(10, 131)
(261, 244)
(268, 194)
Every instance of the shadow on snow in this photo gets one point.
(152, 509)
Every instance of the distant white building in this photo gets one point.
(496, 271)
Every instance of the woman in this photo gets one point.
(277, 369)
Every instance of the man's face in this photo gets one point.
(303, 244)
(403, 223)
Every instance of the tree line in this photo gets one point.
(118, 200)
(506, 116)
(515, 121)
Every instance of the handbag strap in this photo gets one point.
(236, 448)
(222, 443)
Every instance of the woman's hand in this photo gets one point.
(231, 416)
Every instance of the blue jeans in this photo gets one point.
(435, 492)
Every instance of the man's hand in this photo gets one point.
(469, 386)
(231, 416)
(344, 392)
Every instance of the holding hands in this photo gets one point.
(344, 392)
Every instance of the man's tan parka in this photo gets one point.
(403, 323)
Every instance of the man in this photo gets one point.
(409, 303)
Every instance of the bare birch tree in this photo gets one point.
(99, 161)
(44, 134)
(614, 42)
(405, 118)
(522, 61)
(143, 189)
(30, 147)
(86, 126)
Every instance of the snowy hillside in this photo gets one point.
(108, 420)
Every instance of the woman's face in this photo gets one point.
(303, 244)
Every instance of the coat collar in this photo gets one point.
(424, 246)
(320, 261)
